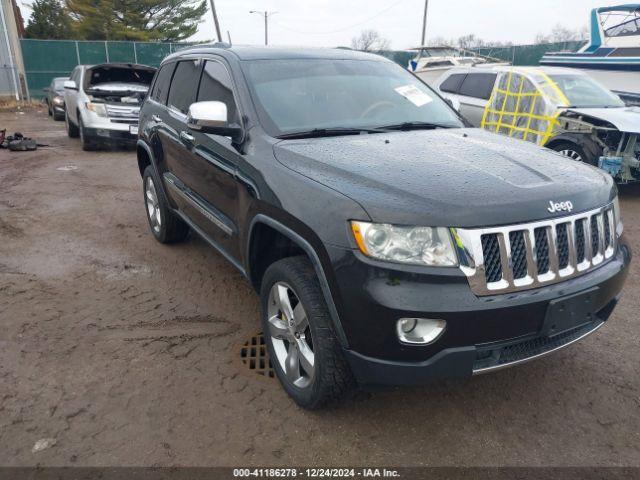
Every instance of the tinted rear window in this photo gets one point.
(452, 84)
(478, 85)
(184, 85)
(161, 86)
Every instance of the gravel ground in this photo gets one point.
(116, 350)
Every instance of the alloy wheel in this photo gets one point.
(572, 154)
(153, 206)
(290, 335)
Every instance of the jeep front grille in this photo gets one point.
(521, 257)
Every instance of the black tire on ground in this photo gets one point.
(72, 130)
(87, 145)
(576, 152)
(333, 381)
(171, 228)
(49, 111)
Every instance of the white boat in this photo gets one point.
(430, 63)
(612, 56)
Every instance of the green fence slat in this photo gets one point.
(47, 55)
(122, 52)
(152, 53)
(92, 53)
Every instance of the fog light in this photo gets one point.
(419, 331)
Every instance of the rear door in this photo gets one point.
(175, 138)
(153, 113)
(474, 94)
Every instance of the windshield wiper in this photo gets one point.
(415, 126)
(329, 132)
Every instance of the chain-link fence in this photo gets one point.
(46, 59)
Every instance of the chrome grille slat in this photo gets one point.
(555, 250)
(128, 113)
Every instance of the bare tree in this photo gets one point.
(441, 42)
(470, 41)
(370, 41)
(560, 34)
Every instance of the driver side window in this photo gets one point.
(216, 86)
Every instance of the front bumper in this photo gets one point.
(103, 130)
(107, 135)
(482, 334)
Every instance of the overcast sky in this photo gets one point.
(335, 22)
(330, 23)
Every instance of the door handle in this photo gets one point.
(187, 137)
(156, 118)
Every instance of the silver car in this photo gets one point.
(103, 103)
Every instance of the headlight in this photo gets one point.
(412, 245)
(616, 216)
(97, 108)
(58, 100)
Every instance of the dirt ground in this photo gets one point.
(117, 350)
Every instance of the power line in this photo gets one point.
(342, 29)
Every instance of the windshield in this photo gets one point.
(584, 92)
(302, 95)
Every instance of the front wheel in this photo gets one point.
(72, 130)
(576, 152)
(87, 145)
(304, 352)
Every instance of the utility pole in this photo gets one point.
(215, 20)
(424, 23)
(266, 23)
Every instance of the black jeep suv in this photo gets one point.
(390, 244)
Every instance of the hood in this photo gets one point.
(625, 119)
(447, 178)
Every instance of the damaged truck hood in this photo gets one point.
(625, 119)
(119, 87)
(451, 178)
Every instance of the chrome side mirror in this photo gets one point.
(212, 117)
(70, 85)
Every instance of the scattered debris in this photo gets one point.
(18, 142)
(67, 168)
(43, 444)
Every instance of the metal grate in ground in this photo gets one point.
(254, 356)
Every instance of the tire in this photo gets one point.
(576, 152)
(72, 130)
(165, 225)
(320, 375)
(87, 145)
(49, 111)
